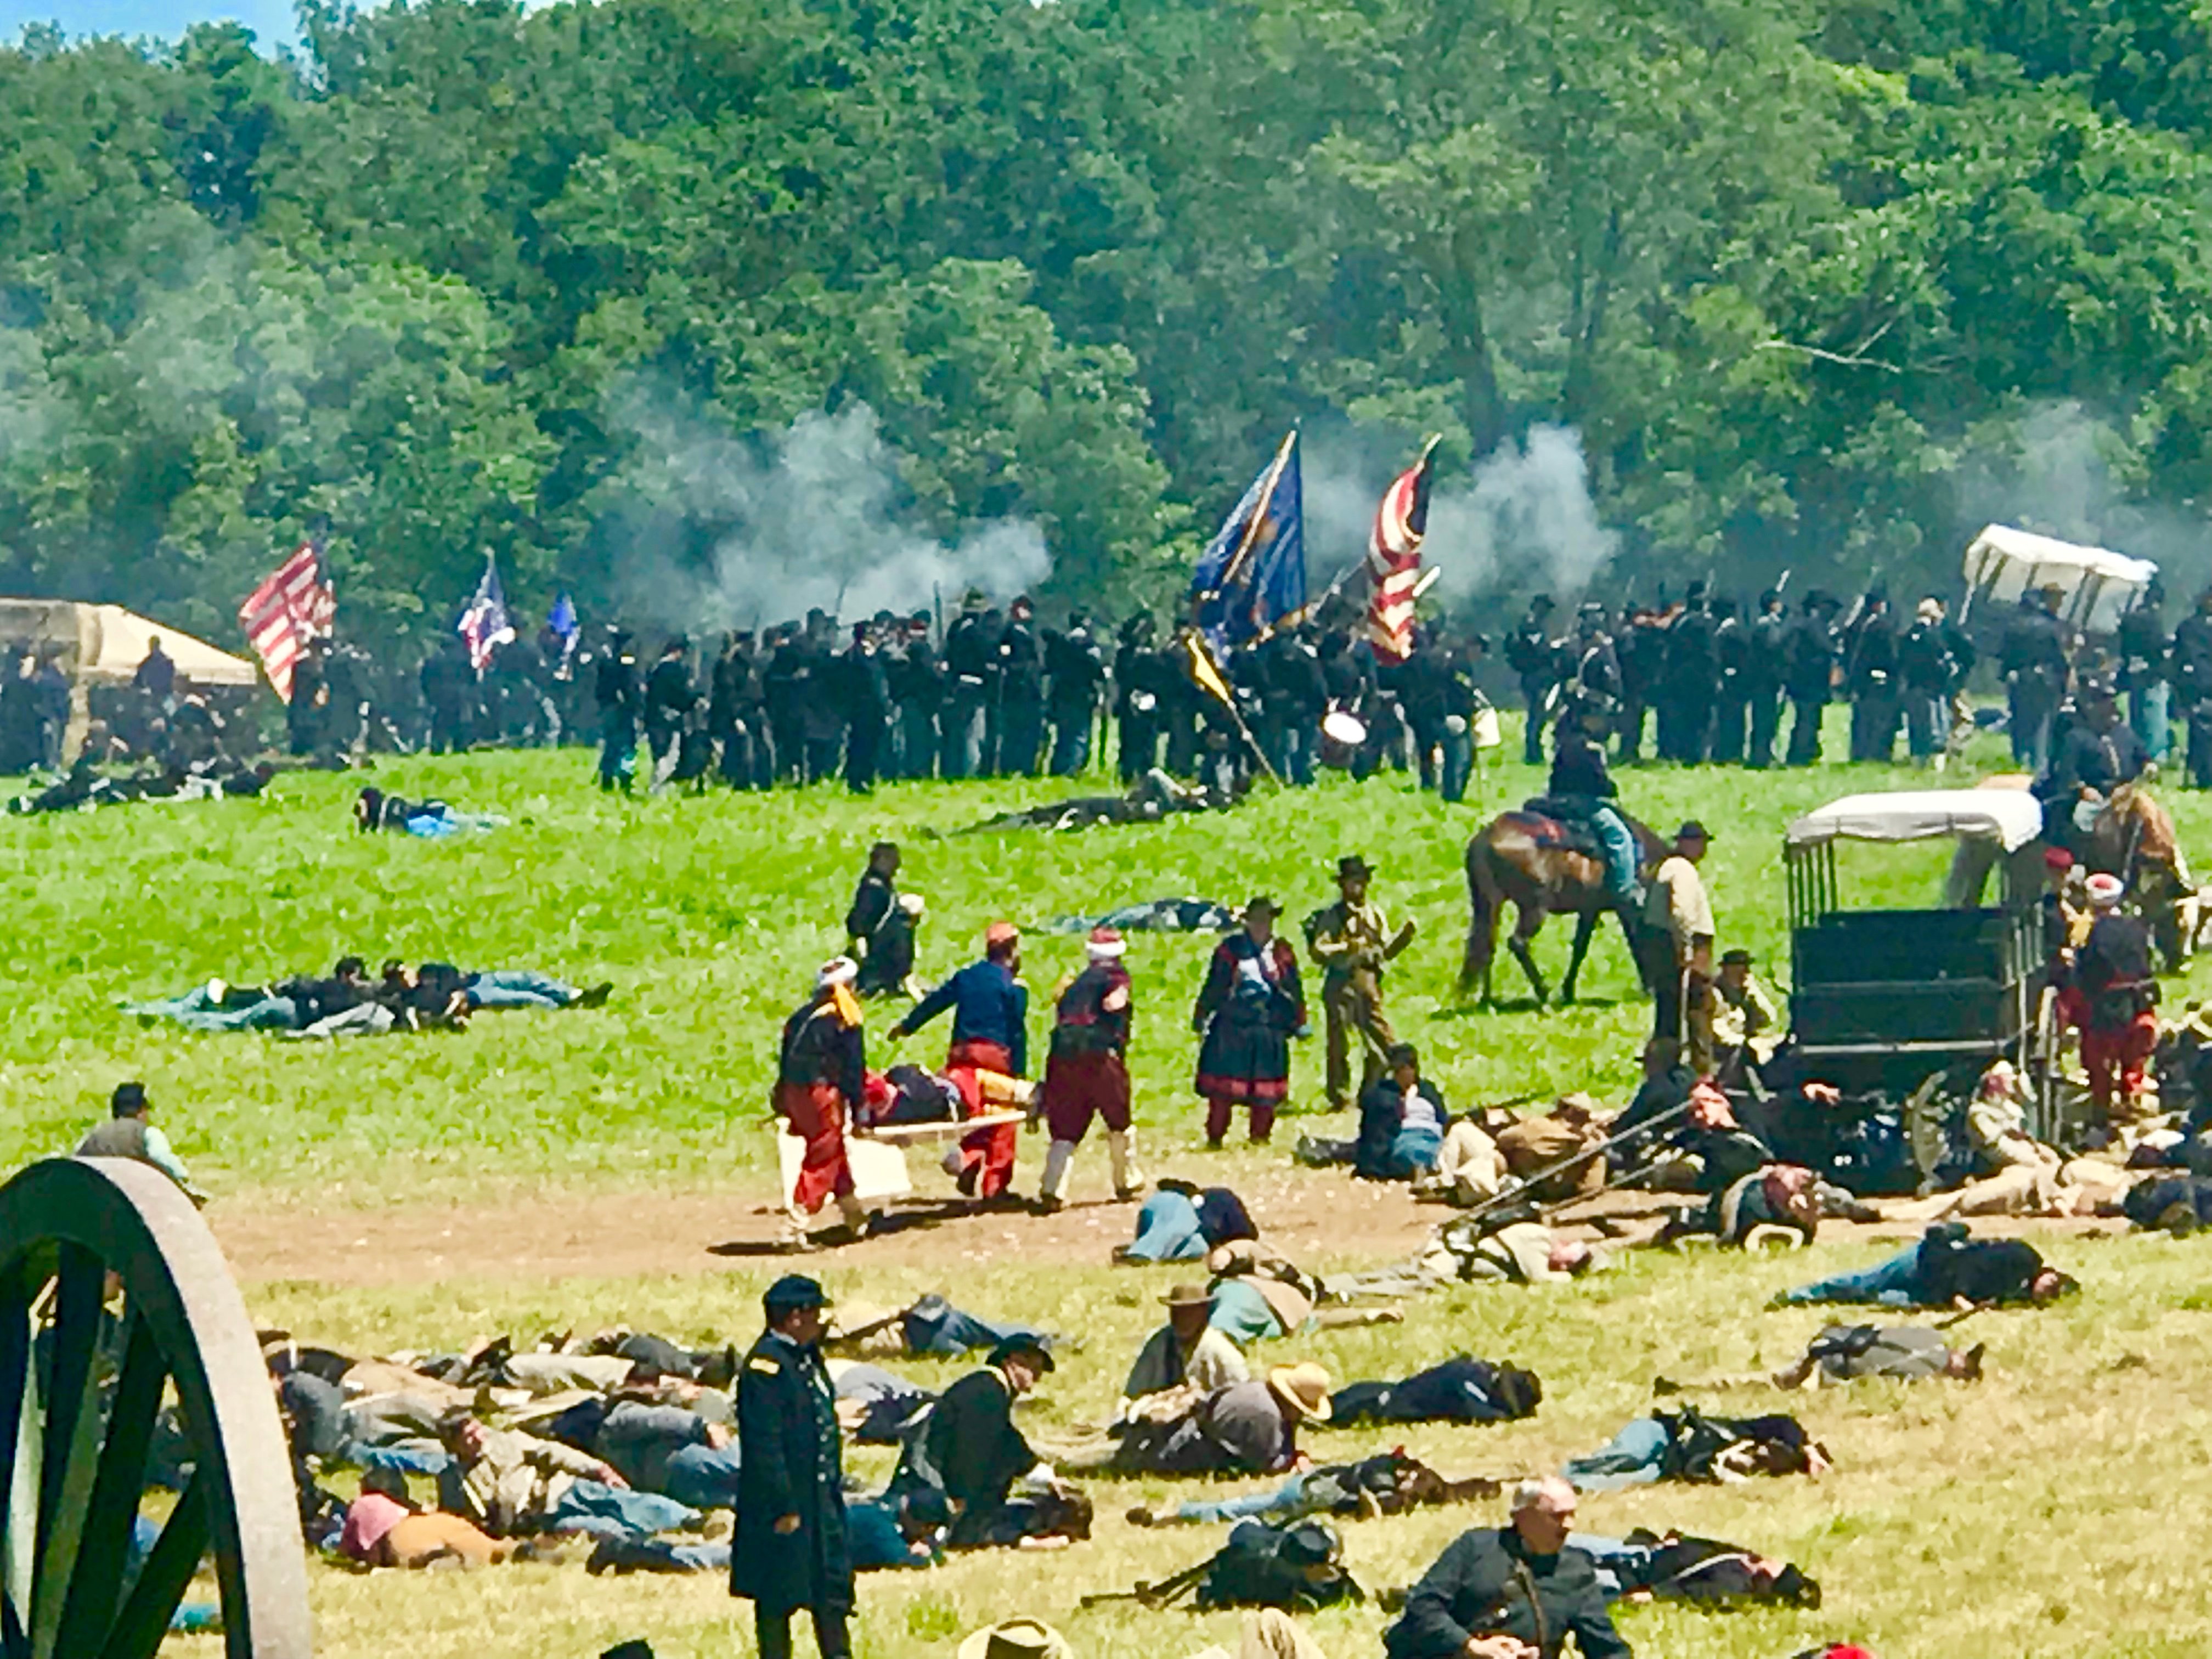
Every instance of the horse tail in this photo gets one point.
(1482, 922)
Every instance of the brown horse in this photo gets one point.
(1522, 858)
(2134, 838)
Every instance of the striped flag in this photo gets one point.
(484, 626)
(1393, 561)
(294, 605)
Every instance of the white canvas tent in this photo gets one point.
(2097, 585)
(104, 644)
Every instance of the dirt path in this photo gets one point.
(1316, 1217)
(1308, 1216)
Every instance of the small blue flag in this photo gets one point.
(563, 620)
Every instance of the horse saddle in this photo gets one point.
(1558, 830)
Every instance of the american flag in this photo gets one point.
(1393, 561)
(293, 606)
(484, 625)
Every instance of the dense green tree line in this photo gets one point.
(1805, 276)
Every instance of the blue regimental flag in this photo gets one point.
(1253, 573)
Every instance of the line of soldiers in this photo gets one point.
(1006, 696)
(1716, 685)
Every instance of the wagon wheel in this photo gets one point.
(114, 1296)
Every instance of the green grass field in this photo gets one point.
(2047, 1512)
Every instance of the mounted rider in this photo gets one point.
(1582, 790)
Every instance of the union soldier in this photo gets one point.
(1808, 674)
(1520, 1590)
(669, 695)
(1870, 680)
(970, 662)
(1075, 668)
(970, 1442)
(304, 715)
(2143, 648)
(1731, 655)
(1641, 646)
(864, 697)
(990, 1032)
(1691, 682)
(1534, 656)
(1019, 739)
(880, 925)
(1926, 673)
(1136, 699)
(1596, 664)
(2193, 687)
(821, 715)
(789, 1548)
(2033, 659)
(1087, 1074)
(917, 682)
(1352, 942)
(616, 688)
(782, 686)
(1764, 660)
(444, 681)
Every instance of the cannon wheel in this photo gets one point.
(109, 1278)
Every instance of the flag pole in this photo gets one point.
(1216, 684)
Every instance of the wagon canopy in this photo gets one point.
(2010, 818)
(2098, 586)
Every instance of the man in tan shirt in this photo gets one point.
(1351, 941)
(1678, 949)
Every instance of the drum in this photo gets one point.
(1343, 735)
(1486, 734)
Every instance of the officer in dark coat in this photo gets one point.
(788, 1551)
(864, 697)
(1075, 671)
(2192, 672)
(2034, 663)
(617, 689)
(1137, 699)
(1691, 684)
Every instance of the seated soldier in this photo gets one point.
(1510, 1593)
(1247, 1428)
(1187, 1352)
(1748, 1024)
(970, 1448)
(1401, 1122)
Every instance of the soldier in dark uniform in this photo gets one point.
(1808, 671)
(1534, 658)
(1595, 666)
(780, 685)
(879, 928)
(2191, 672)
(726, 725)
(864, 697)
(970, 1442)
(1766, 658)
(789, 1550)
(1021, 692)
(1522, 1582)
(1298, 696)
(2143, 647)
(1731, 655)
(444, 680)
(1463, 700)
(1136, 699)
(616, 688)
(1182, 707)
(1641, 646)
(305, 715)
(917, 680)
(1075, 672)
(821, 715)
(2033, 659)
(669, 695)
(1870, 680)
(970, 661)
(1424, 686)
(1690, 684)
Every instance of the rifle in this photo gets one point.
(1167, 1591)
(1518, 1193)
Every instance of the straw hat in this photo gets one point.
(1304, 1387)
(1017, 1638)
